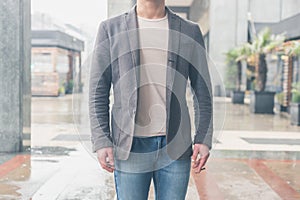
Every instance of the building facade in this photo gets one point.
(56, 62)
(229, 23)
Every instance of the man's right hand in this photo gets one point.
(106, 159)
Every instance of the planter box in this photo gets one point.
(280, 108)
(262, 102)
(237, 97)
(295, 113)
(228, 92)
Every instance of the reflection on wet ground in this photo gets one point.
(56, 150)
(59, 166)
(56, 110)
(238, 117)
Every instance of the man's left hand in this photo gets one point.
(199, 157)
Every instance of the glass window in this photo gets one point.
(41, 62)
(62, 65)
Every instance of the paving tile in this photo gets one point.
(266, 141)
(279, 185)
(237, 181)
(61, 167)
(288, 170)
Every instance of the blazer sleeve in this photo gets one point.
(99, 91)
(202, 92)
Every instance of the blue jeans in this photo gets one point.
(149, 160)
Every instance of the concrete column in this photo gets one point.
(15, 75)
(199, 13)
(228, 28)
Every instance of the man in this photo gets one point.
(148, 55)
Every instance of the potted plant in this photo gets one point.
(69, 87)
(234, 58)
(279, 103)
(295, 105)
(294, 49)
(61, 91)
(231, 72)
(262, 101)
(295, 102)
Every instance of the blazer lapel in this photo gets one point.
(133, 38)
(173, 50)
(174, 38)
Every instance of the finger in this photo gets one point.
(102, 157)
(111, 158)
(194, 158)
(199, 170)
(201, 164)
(107, 164)
(203, 160)
(195, 154)
(197, 161)
(106, 167)
(105, 160)
(196, 164)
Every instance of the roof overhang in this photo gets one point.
(54, 38)
(289, 26)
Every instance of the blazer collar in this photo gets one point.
(174, 27)
(131, 19)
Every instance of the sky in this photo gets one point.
(75, 12)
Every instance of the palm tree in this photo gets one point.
(232, 69)
(235, 56)
(294, 50)
(264, 43)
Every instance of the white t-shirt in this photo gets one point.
(151, 111)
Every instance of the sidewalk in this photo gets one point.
(258, 144)
(248, 135)
(255, 157)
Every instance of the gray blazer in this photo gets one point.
(115, 63)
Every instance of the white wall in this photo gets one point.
(265, 10)
(290, 8)
(117, 7)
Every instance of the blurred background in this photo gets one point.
(45, 48)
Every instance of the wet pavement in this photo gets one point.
(255, 157)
